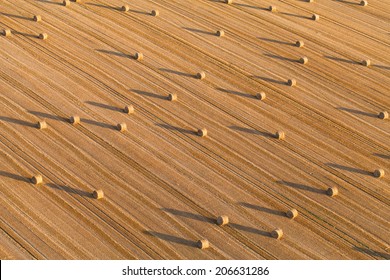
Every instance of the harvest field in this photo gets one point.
(164, 183)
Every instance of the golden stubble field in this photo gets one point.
(282, 123)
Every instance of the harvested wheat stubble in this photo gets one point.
(122, 127)
(98, 194)
(172, 97)
(277, 233)
(37, 18)
(155, 13)
(139, 56)
(292, 213)
(379, 173)
(203, 244)
(303, 60)
(292, 82)
(37, 179)
(261, 95)
(43, 36)
(74, 120)
(280, 135)
(66, 3)
(202, 132)
(383, 115)
(364, 3)
(299, 44)
(228, 1)
(222, 220)
(366, 62)
(42, 125)
(315, 17)
(125, 8)
(220, 33)
(6, 32)
(332, 191)
(201, 75)
(129, 109)
(272, 9)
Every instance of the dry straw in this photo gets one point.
(139, 56)
(292, 213)
(98, 194)
(125, 8)
(37, 179)
(202, 132)
(203, 244)
(201, 75)
(222, 220)
(366, 62)
(43, 36)
(229, 2)
(379, 173)
(155, 13)
(303, 60)
(6, 32)
(383, 115)
(272, 9)
(277, 233)
(292, 82)
(42, 125)
(37, 18)
(315, 17)
(172, 97)
(66, 3)
(261, 95)
(122, 127)
(299, 44)
(364, 3)
(74, 120)
(332, 191)
(220, 33)
(129, 109)
(280, 135)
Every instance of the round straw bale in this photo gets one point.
(383, 115)
(261, 95)
(129, 109)
(315, 17)
(292, 82)
(229, 1)
(363, 3)
(155, 13)
(280, 135)
(379, 173)
(201, 75)
(121, 127)
(277, 233)
(292, 213)
(220, 33)
(202, 132)
(272, 9)
(77, 1)
(172, 97)
(98, 194)
(332, 191)
(66, 3)
(74, 120)
(43, 36)
(299, 44)
(125, 8)
(203, 244)
(222, 220)
(37, 179)
(310, 1)
(42, 125)
(366, 62)
(6, 32)
(37, 18)
(303, 60)
(139, 56)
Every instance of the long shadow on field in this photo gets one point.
(49, 116)
(105, 6)
(250, 6)
(357, 112)
(350, 169)
(189, 215)
(115, 53)
(270, 80)
(249, 229)
(281, 57)
(177, 72)
(171, 238)
(70, 190)
(341, 59)
(149, 94)
(199, 31)
(105, 106)
(179, 129)
(372, 253)
(14, 176)
(276, 41)
(251, 131)
(100, 124)
(140, 12)
(17, 121)
(382, 156)
(24, 34)
(301, 187)
(381, 66)
(263, 209)
(294, 15)
(348, 2)
(15, 16)
(247, 95)
(51, 2)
